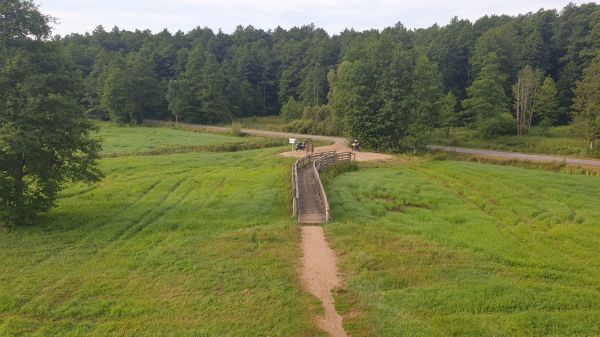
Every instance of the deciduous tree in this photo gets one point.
(546, 105)
(586, 106)
(44, 134)
(449, 116)
(524, 94)
(486, 97)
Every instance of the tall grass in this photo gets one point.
(138, 140)
(192, 244)
(450, 248)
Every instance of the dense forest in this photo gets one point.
(499, 75)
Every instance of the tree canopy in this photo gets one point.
(44, 134)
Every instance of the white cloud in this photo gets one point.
(333, 15)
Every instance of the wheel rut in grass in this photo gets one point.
(320, 276)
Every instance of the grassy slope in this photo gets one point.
(119, 140)
(557, 140)
(196, 244)
(464, 249)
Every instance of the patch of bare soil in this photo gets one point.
(320, 276)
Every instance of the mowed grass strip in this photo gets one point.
(464, 249)
(196, 244)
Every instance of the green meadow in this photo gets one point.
(202, 244)
(451, 248)
(193, 244)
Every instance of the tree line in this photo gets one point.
(499, 75)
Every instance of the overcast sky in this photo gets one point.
(81, 16)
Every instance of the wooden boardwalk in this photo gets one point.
(311, 209)
(309, 199)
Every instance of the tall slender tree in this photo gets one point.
(525, 92)
(586, 106)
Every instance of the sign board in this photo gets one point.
(292, 140)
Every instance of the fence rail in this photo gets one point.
(319, 162)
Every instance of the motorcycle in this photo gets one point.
(301, 146)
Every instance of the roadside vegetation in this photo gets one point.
(561, 140)
(446, 248)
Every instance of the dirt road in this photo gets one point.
(338, 143)
(540, 158)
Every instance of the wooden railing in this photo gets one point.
(311, 158)
(295, 191)
(320, 162)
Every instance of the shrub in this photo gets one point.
(501, 125)
(291, 110)
(236, 129)
(316, 120)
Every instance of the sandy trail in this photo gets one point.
(320, 276)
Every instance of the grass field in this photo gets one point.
(557, 140)
(127, 140)
(195, 244)
(201, 244)
(464, 249)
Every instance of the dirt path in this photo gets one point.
(339, 143)
(320, 276)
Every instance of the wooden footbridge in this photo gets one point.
(308, 195)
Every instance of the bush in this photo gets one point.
(502, 125)
(316, 120)
(291, 110)
(236, 129)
